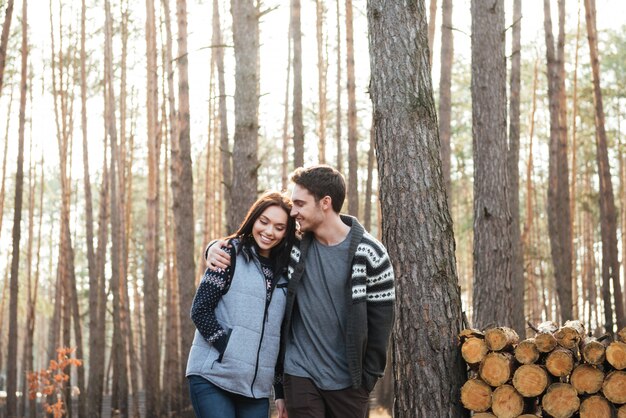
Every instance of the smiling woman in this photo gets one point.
(237, 313)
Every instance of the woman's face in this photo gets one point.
(269, 229)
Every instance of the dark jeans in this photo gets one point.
(210, 401)
(304, 400)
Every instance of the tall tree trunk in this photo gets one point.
(298, 124)
(409, 166)
(245, 160)
(432, 20)
(517, 262)
(576, 309)
(11, 404)
(225, 154)
(353, 158)
(4, 40)
(321, 80)
(4, 160)
(492, 216)
(285, 152)
(367, 209)
(182, 192)
(445, 91)
(338, 113)
(151, 267)
(119, 350)
(558, 188)
(608, 217)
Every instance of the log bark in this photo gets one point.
(530, 380)
(507, 402)
(587, 379)
(614, 387)
(560, 401)
(560, 362)
(616, 355)
(501, 338)
(497, 368)
(476, 395)
(526, 351)
(596, 407)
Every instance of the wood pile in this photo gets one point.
(561, 372)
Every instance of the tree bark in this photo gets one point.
(11, 404)
(558, 188)
(492, 216)
(322, 69)
(367, 207)
(338, 113)
(4, 40)
(298, 124)
(353, 157)
(151, 261)
(517, 262)
(405, 132)
(608, 217)
(182, 193)
(432, 20)
(226, 155)
(445, 91)
(245, 159)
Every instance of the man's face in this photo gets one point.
(307, 212)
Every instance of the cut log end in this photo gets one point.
(526, 352)
(474, 350)
(561, 400)
(621, 412)
(545, 342)
(560, 362)
(484, 415)
(507, 402)
(570, 335)
(496, 368)
(614, 387)
(501, 338)
(594, 352)
(476, 395)
(587, 379)
(596, 407)
(530, 380)
(616, 355)
(621, 336)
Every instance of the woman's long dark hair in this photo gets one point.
(280, 253)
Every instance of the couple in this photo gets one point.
(312, 316)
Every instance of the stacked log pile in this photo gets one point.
(559, 373)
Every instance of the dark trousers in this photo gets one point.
(304, 400)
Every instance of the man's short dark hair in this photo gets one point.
(322, 180)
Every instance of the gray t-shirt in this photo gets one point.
(316, 346)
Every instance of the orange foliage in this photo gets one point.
(53, 380)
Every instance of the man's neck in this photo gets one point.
(332, 231)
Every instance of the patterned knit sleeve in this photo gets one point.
(213, 285)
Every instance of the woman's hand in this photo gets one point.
(281, 408)
(216, 257)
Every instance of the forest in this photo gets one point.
(480, 141)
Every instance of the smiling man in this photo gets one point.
(339, 309)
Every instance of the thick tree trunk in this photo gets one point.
(182, 193)
(245, 159)
(517, 262)
(11, 376)
(492, 216)
(409, 165)
(445, 91)
(608, 217)
(353, 157)
(298, 124)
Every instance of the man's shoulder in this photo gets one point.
(369, 241)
